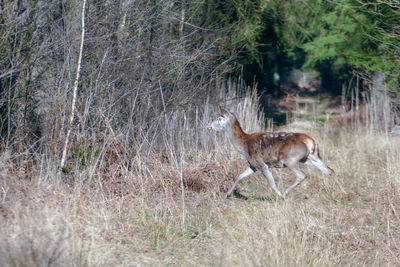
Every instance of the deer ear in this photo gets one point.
(224, 111)
(227, 113)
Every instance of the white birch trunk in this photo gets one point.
(75, 90)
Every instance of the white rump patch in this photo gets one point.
(310, 145)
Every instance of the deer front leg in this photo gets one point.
(267, 174)
(246, 173)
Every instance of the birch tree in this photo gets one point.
(75, 89)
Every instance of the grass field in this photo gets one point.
(166, 206)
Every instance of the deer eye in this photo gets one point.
(220, 119)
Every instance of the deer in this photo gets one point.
(272, 150)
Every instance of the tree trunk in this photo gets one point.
(75, 90)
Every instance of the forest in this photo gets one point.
(105, 159)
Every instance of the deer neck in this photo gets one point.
(238, 138)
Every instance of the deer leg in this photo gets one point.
(320, 165)
(300, 176)
(267, 173)
(246, 173)
(334, 176)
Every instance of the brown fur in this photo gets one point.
(274, 148)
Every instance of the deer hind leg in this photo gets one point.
(267, 173)
(320, 165)
(246, 173)
(300, 176)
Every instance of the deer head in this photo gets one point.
(222, 122)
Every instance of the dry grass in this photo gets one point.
(126, 207)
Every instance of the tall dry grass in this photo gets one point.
(158, 200)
